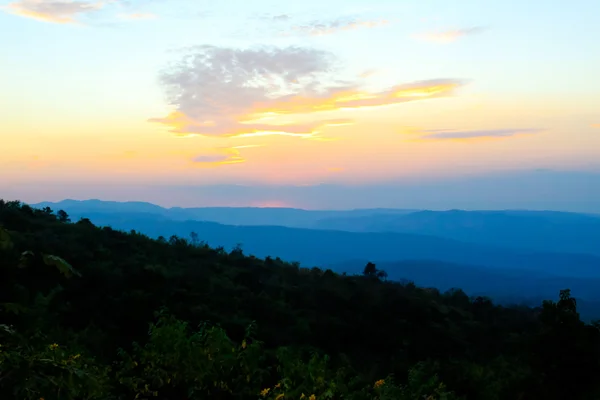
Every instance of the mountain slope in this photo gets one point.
(502, 285)
(100, 314)
(323, 247)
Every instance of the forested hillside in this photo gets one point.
(93, 313)
(324, 247)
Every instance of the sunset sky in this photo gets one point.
(99, 97)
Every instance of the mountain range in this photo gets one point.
(514, 254)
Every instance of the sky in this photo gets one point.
(303, 104)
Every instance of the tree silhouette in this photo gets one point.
(63, 216)
(194, 238)
(370, 270)
(381, 274)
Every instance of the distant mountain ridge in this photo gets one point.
(539, 231)
(292, 217)
(534, 230)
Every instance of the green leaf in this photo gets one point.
(25, 258)
(7, 329)
(64, 267)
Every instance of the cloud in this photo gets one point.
(211, 158)
(272, 17)
(354, 97)
(449, 35)
(595, 125)
(321, 28)
(222, 156)
(228, 92)
(445, 134)
(73, 11)
(369, 73)
(280, 17)
(57, 11)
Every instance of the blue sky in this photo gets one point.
(109, 92)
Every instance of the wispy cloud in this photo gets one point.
(221, 156)
(268, 17)
(274, 17)
(353, 97)
(232, 92)
(368, 73)
(451, 35)
(449, 134)
(280, 17)
(77, 11)
(211, 158)
(321, 28)
(57, 11)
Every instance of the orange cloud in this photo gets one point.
(348, 99)
(595, 125)
(221, 156)
(228, 92)
(449, 35)
(59, 11)
(185, 127)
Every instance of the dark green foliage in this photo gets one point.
(63, 216)
(371, 271)
(94, 313)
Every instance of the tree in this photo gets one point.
(63, 216)
(85, 221)
(567, 303)
(237, 250)
(381, 275)
(370, 270)
(194, 239)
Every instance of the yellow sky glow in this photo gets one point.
(85, 107)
